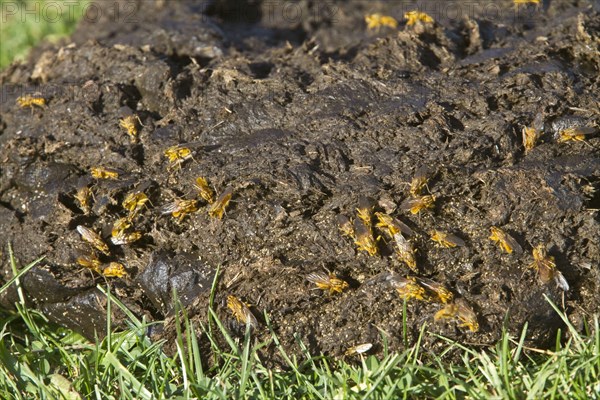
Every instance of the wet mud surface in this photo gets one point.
(302, 110)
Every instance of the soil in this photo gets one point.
(302, 110)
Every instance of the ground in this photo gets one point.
(301, 110)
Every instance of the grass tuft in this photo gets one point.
(24, 23)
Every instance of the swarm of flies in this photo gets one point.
(370, 229)
(179, 208)
(123, 231)
(103, 254)
(373, 232)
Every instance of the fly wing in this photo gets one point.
(561, 282)
(402, 243)
(517, 249)
(396, 281)
(456, 240)
(408, 204)
(402, 226)
(170, 208)
(317, 278)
